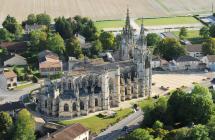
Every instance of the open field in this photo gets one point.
(109, 24)
(103, 9)
(167, 21)
(96, 124)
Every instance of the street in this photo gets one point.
(15, 95)
(132, 121)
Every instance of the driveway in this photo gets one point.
(15, 95)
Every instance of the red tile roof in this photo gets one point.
(9, 74)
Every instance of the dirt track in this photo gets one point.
(103, 9)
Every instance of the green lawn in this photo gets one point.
(23, 86)
(109, 24)
(167, 21)
(193, 36)
(96, 124)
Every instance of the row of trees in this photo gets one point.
(21, 129)
(182, 116)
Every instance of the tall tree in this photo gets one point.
(12, 26)
(5, 35)
(73, 48)
(183, 33)
(199, 132)
(107, 39)
(56, 43)
(212, 30)
(64, 27)
(209, 47)
(25, 126)
(38, 39)
(96, 47)
(169, 48)
(204, 32)
(153, 39)
(6, 124)
(31, 19)
(43, 19)
(139, 134)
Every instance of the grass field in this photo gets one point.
(193, 36)
(96, 124)
(109, 24)
(167, 21)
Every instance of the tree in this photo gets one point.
(188, 108)
(85, 27)
(73, 48)
(43, 19)
(204, 32)
(152, 39)
(212, 30)
(169, 48)
(96, 47)
(201, 91)
(56, 43)
(209, 47)
(139, 134)
(6, 124)
(12, 26)
(38, 39)
(199, 132)
(31, 19)
(107, 40)
(5, 35)
(64, 27)
(157, 124)
(183, 33)
(25, 126)
(178, 134)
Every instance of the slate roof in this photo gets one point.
(186, 58)
(194, 48)
(67, 133)
(12, 106)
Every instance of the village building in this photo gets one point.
(209, 60)
(8, 79)
(30, 28)
(185, 63)
(49, 63)
(73, 132)
(95, 85)
(14, 60)
(195, 50)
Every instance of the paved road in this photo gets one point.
(16, 95)
(132, 121)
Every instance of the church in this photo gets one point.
(96, 85)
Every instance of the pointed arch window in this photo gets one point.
(96, 102)
(66, 107)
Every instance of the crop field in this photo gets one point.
(109, 24)
(103, 9)
(168, 21)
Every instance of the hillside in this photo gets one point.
(103, 9)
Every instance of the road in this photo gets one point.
(16, 95)
(132, 121)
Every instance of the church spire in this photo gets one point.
(127, 30)
(142, 38)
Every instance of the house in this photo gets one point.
(83, 44)
(12, 107)
(73, 132)
(195, 50)
(30, 28)
(15, 59)
(49, 63)
(8, 79)
(14, 47)
(156, 62)
(187, 63)
(209, 60)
